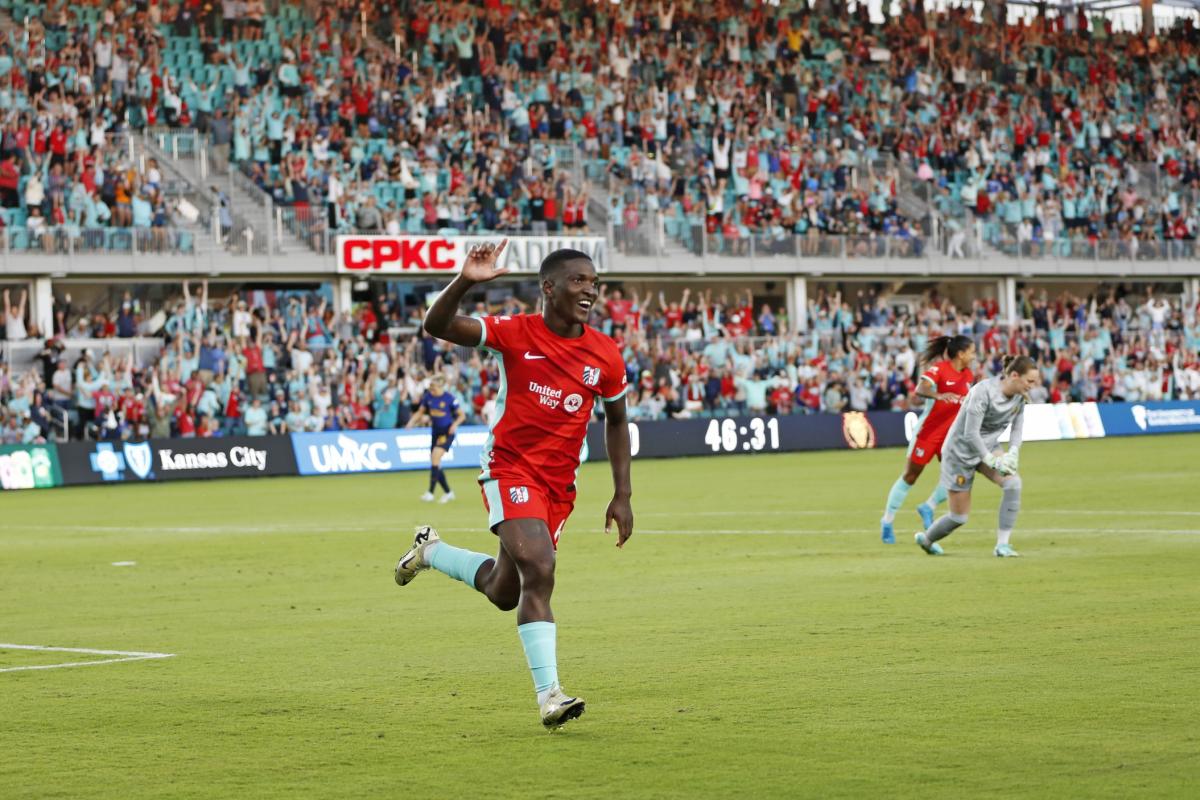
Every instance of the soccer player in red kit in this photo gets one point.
(944, 383)
(553, 366)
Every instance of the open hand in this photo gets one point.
(481, 263)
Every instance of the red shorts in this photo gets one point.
(513, 499)
(923, 450)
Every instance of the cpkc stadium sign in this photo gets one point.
(394, 255)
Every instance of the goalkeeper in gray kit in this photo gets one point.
(972, 445)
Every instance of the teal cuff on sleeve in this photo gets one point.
(616, 396)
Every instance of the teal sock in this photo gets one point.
(538, 639)
(456, 562)
(938, 497)
(895, 499)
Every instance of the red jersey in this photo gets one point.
(619, 310)
(739, 321)
(548, 387)
(184, 422)
(105, 401)
(939, 415)
(133, 409)
(254, 359)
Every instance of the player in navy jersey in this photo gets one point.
(441, 410)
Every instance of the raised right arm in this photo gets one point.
(443, 320)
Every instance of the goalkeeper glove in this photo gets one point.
(1010, 460)
(996, 462)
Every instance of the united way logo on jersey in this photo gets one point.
(591, 376)
(518, 494)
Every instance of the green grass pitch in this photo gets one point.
(754, 639)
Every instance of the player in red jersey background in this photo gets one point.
(944, 383)
(553, 366)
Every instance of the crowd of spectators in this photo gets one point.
(271, 362)
(734, 120)
(1053, 136)
(74, 80)
(728, 120)
(706, 356)
(1048, 136)
(736, 123)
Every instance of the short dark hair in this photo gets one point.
(553, 262)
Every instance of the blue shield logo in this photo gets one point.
(139, 458)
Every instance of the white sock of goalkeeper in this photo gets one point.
(945, 525)
(1010, 506)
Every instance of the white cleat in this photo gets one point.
(414, 562)
(560, 709)
(427, 497)
(448, 497)
(1005, 551)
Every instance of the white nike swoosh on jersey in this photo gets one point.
(530, 357)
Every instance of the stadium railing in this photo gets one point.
(69, 249)
(71, 240)
(669, 237)
(260, 230)
(309, 224)
(22, 355)
(179, 142)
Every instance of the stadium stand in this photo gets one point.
(727, 128)
(275, 361)
(1058, 135)
(730, 126)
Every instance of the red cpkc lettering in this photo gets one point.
(355, 254)
(397, 254)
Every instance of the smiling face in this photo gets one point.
(570, 291)
(965, 358)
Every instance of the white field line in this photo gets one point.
(684, 529)
(331, 528)
(810, 512)
(841, 531)
(835, 531)
(126, 655)
(742, 513)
